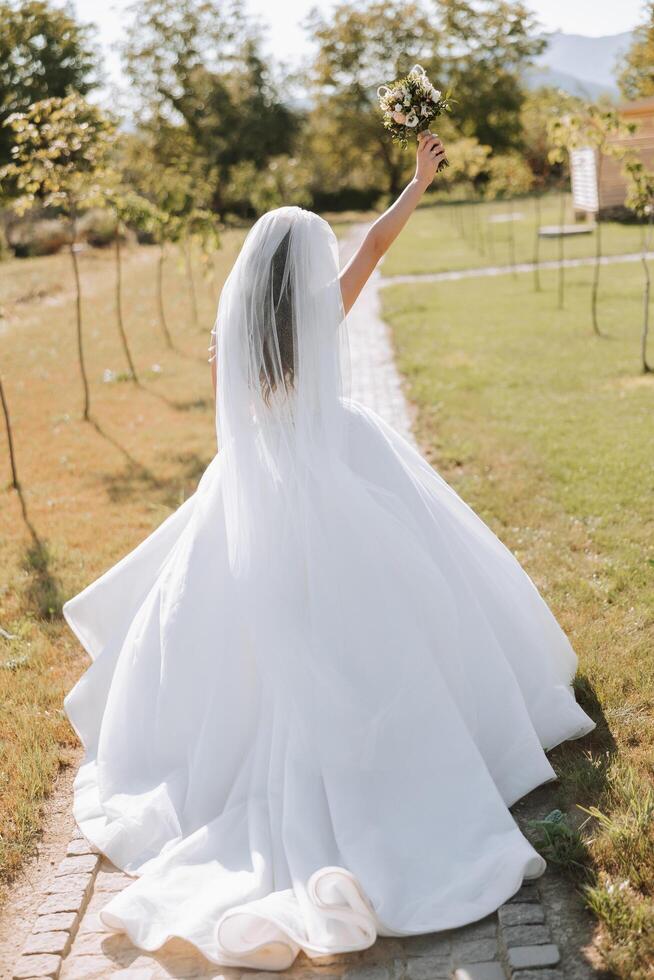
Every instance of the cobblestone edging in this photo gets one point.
(68, 941)
(526, 943)
(515, 943)
(61, 911)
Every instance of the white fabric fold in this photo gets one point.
(311, 736)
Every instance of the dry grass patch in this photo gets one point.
(90, 491)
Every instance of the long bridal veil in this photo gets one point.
(283, 367)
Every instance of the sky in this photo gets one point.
(286, 37)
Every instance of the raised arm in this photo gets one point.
(388, 226)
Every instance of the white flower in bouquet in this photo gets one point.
(408, 105)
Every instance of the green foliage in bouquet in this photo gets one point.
(409, 105)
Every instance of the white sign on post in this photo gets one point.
(583, 174)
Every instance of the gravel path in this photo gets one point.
(504, 270)
(516, 943)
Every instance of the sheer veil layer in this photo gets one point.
(319, 685)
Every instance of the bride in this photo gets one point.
(317, 688)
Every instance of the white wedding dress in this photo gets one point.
(319, 685)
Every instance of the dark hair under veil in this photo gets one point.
(278, 327)
(282, 372)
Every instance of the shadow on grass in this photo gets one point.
(198, 358)
(44, 592)
(137, 479)
(583, 767)
(130, 482)
(199, 404)
(193, 405)
(192, 466)
(131, 460)
(186, 355)
(135, 476)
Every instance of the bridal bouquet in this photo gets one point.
(410, 104)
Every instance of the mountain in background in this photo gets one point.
(584, 66)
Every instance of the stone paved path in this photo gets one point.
(375, 378)
(68, 940)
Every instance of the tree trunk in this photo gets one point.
(78, 310)
(119, 305)
(561, 248)
(160, 298)
(647, 368)
(490, 231)
(10, 439)
(537, 286)
(598, 256)
(217, 204)
(392, 170)
(464, 220)
(512, 238)
(214, 287)
(478, 230)
(191, 282)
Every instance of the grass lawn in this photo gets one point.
(441, 237)
(92, 490)
(547, 432)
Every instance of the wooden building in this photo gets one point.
(609, 195)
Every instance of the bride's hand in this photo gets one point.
(428, 157)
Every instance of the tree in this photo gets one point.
(164, 169)
(360, 46)
(44, 53)
(174, 40)
(196, 66)
(285, 180)
(476, 50)
(60, 160)
(541, 108)
(468, 163)
(509, 177)
(603, 130)
(640, 198)
(637, 76)
(343, 168)
(130, 210)
(10, 438)
(201, 230)
(161, 235)
(558, 135)
(468, 160)
(485, 46)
